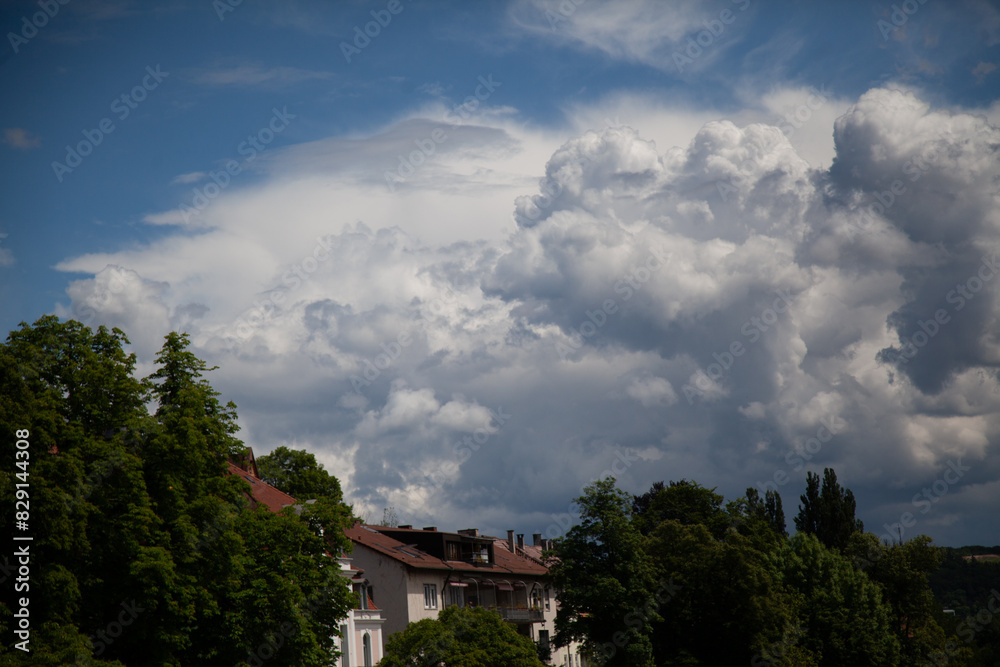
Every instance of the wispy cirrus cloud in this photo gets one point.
(639, 31)
(6, 256)
(256, 76)
(190, 177)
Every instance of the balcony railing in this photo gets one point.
(515, 615)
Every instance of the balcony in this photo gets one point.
(515, 615)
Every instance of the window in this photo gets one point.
(547, 607)
(455, 596)
(543, 638)
(536, 598)
(430, 596)
(345, 650)
(453, 551)
(366, 643)
(362, 592)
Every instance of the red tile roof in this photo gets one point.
(263, 493)
(533, 552)
(505, 562)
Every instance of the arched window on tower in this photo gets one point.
(366, 643)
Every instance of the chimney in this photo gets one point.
(536, 539)
(405, 526)
(432, 529)
(470, 532)
(510, 540)
(520, 541)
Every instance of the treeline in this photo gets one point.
(144, 551)
(677, 576)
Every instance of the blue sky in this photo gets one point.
(380, 239)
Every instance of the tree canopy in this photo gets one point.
(828, 512)
(604, 573)
(145, 551)
(678, 576)
(460, 637)
(299, 474)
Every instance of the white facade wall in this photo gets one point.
(363, 627)
(399, 593)
(388, 580)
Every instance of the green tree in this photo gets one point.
(766, 512)
(903, 571)
(730, 603)
(134, 515)
(299, 474)
(843, 615)
(686, 502)
(828, 512)
(460, 637)
(604, 577)
(91, 517)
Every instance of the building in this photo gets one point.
(361, 639)
(415, 573)
(261, 493)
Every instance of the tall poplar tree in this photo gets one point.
(828, 511)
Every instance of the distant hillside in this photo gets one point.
(966, 578)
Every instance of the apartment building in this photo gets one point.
(415, 573)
